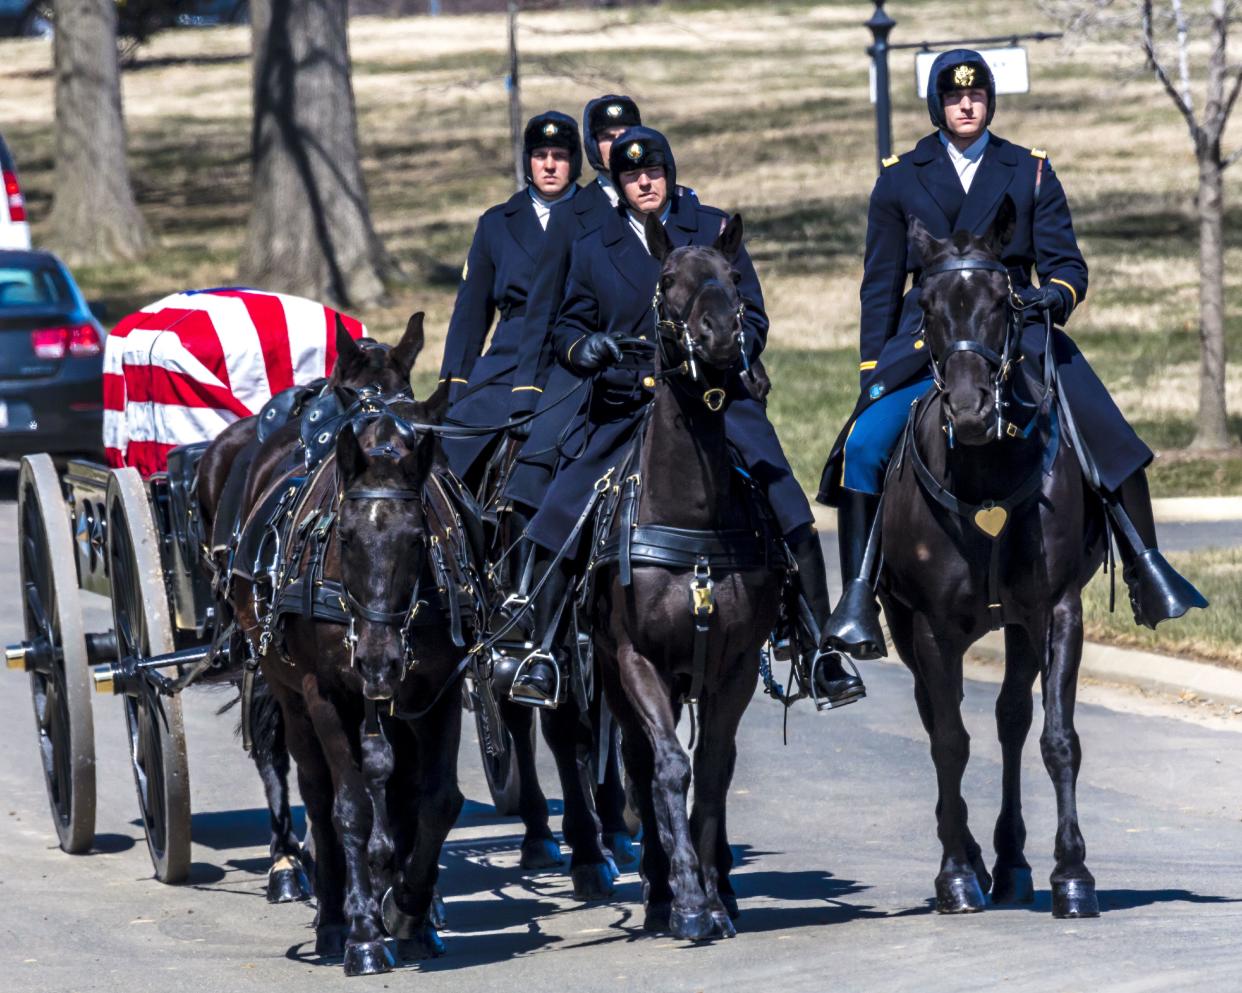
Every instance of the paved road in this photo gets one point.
(835, 843)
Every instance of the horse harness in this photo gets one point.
(990, 517)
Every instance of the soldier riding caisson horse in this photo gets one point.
(984, 467)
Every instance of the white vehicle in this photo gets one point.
(14, 228)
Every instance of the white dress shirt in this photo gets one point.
(966, 163)
(543, 208)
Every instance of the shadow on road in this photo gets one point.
(224, 830)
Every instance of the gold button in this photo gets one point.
(919, 344)
(642, 337)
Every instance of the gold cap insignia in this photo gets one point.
(549, 129)
(635, 151)
(964, 75)
(614, 110)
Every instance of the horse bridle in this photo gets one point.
(675, 331)
(1001, 363)
(375, 408)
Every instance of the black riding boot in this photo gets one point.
(539, 679)
(854, 626)
(834, 684)
(1158, 592)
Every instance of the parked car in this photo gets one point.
(14, 228)
(51, 359)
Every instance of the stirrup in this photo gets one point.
(853, 695)
(523, 694)
(854, 627)
(1158, 592)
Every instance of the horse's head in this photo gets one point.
(698, 305)
(367, 366)
(965, 292)
(383, 461)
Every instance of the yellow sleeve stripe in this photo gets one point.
(865, 366)
(1073, 292)
(569, 354)
(519, 389)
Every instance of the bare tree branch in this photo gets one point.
(1149, 48)
(1183, 54)
(1233, 157)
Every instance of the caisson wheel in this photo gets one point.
(501, 770)
(55, 656)
(140, 616)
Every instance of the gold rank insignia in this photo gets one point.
(465, 269)
(964, 75)
(549, 129)
(635, 151)
(892, 160)
(1039, 153)
(614, 110)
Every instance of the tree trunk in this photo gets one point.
(310, 230)
(94, 217)
(1213, 428)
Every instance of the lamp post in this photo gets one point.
(881, 25)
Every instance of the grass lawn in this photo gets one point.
(1214, 634)
(767, 108)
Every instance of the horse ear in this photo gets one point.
(657, 238)
(437, 405)
(729, 241)
(351, 460)
(348, 354)
(922, 240)
(1001, 232)
(417, 465)
(408, 348)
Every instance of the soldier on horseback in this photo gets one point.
(953, 181)
(497, 278)
(608, 304)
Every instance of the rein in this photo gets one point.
(675, 332)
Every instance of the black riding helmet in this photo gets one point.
(959, 69)
(639, 147)
(607, 111)
(552, 129)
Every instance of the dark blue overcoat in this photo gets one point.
(611, 283)
(923, 183)
(496, 280)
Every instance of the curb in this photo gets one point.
(1143, 670)
(1168, 510)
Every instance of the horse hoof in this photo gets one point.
(959, 893)
(287, 886)
(437, 915)
(541, 853)
(722, 924)
(1074, 898)
(592, 881)
(1012, 885)
(729, 900)
(624, 851)
(368, 958)
(692, 927)
(426, 944)
(330, 941)
(657, 917)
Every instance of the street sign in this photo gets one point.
(1009, 67)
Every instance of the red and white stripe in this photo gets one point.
(184, 368)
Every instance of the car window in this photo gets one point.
(41, 284)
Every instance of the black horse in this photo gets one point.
(987, 522)
(691, 628)
(226, 462)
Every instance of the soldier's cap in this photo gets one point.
(552, 129)
(960, 69)
(609, 111)
(640, 148)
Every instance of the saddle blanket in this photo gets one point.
(182, 369)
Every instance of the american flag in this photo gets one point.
(184, 368)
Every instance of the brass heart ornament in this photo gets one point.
(991, 520)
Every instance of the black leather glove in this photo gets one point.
(522, 405)
(1047, 298)
(595, 352)
(756, 381)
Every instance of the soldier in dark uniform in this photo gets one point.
(954, 180)
(497, 278)
(608, 293)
